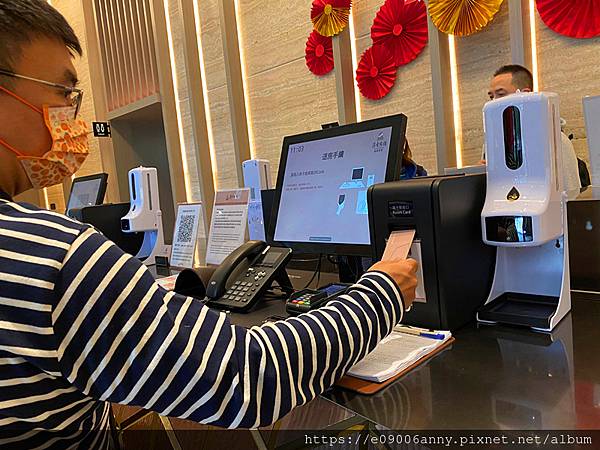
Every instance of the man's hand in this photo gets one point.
(405, 274)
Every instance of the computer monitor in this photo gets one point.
(321, 197)
(87, 191)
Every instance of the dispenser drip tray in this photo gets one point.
(526, 310)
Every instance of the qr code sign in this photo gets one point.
(186, 229)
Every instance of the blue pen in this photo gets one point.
(437, 336)
(418, 332)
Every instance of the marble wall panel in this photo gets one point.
(412, 95)
(225, 170)
(288, 100)
(73, 12)
(273, 33)
(212, 43)
(478, 57)
(571, 68)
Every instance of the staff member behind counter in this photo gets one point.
(511, 79)
(81, 323)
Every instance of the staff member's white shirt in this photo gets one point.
(571, 180)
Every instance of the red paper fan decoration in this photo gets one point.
(573, 18)
(401, 25)
(319, 54)
(376, 73)
(330, 17)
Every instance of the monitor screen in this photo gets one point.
(87, 191)
(321, 203)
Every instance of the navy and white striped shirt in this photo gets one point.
(83, 324)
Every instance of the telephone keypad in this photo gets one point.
(242, 291)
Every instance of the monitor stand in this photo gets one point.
(350, 268)
(283, 280)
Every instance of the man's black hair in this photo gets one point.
(22, 21)
(521, 76)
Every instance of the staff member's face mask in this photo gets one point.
(70, 145)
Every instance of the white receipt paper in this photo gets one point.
(396, 353)
(398, 245)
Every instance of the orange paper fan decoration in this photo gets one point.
(319, 54)
(401, 25)
(462, 17)
(376, 73)
(330, 17)
(573, 18)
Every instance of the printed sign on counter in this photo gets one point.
(228, 224)
(186, 235)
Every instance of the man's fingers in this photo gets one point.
(413, 265)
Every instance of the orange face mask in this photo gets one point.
(70, 145)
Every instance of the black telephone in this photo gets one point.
(242, 279)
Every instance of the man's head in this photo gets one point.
(510, 79)
(37, 42)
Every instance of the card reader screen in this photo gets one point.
(333, 289)
(324, 192)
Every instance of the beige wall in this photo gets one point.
(412, 94)
(284, 97)
(183, 99)
(73, 12)
(478, 56)
(218, 97)
(571, 68)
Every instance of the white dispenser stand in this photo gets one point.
(145, 214)
(525, 212)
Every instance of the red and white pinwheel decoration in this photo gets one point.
(572, 18)
(376, 73)
(401, 26)
(319, 54)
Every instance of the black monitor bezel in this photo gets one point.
(398, 124)
(103, 177)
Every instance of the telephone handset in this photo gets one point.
(243, 277)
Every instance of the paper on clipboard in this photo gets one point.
(398, 245)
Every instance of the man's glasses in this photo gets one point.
(72, 94)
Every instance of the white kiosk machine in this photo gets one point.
(524, 212)
(145, 214)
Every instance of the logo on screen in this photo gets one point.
(380, 144)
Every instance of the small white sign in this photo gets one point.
(186, 235)
(256, 222)
(228, 224)
(417, 255)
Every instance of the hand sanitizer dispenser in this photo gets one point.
(145, 214)
(524, 212)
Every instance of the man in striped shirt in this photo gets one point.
(83, 324)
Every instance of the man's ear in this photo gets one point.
(526, 90)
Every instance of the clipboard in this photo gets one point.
(369, 387)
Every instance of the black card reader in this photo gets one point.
(310, 299)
